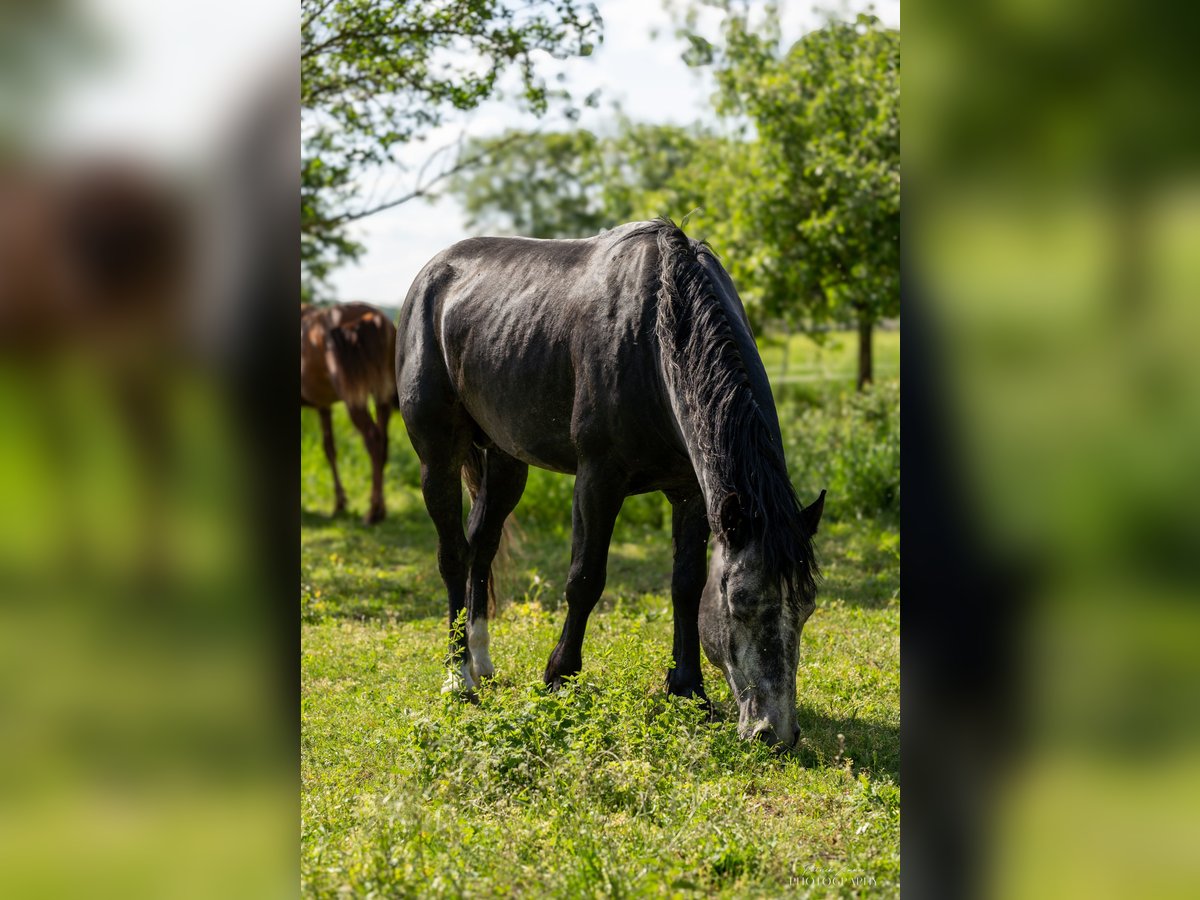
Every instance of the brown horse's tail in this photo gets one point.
(361, 352)
(472, 471)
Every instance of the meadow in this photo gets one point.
(608, 787)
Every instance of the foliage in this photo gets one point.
(849, 444)
(801, 199)
(574, 183)
(42, 46)
(536, 185)
(808, 203)
(376, 75)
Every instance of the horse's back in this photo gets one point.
(548, 345)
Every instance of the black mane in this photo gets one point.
(741, 449)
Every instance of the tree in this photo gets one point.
(376, 75)
(534, 184)
(574, 183)
(811, 214)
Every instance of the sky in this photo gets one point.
(645, 75)
(172, 75)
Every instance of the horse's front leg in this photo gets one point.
(372, 440)
(689, 534)
(598, 498)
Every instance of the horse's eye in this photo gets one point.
(742, 603)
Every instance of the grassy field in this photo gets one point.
(832, 360)
(609, 787)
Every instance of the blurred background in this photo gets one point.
(1052, 223)
(147, 239)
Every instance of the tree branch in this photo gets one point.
(422, 190)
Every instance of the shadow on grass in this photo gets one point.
(350, 570)
(860, 562)
(315, 519)
(389, 571)
(872, 747)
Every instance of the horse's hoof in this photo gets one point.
(459, 681)
(680, 685)
(374, 516)
(482, 674)
(554, 682)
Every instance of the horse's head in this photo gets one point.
(750, 624)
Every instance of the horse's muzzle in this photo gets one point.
(767, 734)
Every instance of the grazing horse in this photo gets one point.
(626, 359)
(345, 354)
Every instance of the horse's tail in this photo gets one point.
(361, 353)
(472, 471)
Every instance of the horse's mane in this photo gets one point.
(708, 374)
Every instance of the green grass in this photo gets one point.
(834, 359)
(609, 787)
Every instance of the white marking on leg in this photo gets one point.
(458, 679)
(479, 641)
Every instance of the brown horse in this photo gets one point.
(95, 261)
(346, 354)
(96, 266)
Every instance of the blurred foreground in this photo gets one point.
(1052, 433)
(147, 682)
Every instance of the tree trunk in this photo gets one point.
(865, 366)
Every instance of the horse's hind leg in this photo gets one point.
(500, 489)
(689, 534)
(598, 498)
(331, 455)
(373, 438)
(442, 445)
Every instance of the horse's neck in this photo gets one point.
(702, 463)
(706, 460)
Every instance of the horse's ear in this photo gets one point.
(730, 517)
(812, 513)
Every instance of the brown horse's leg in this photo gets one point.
(373, 438)
(383, 413)
(689, 534)
(500, 490)
(598, 498)
(331, 455)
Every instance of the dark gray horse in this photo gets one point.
(627, 360)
